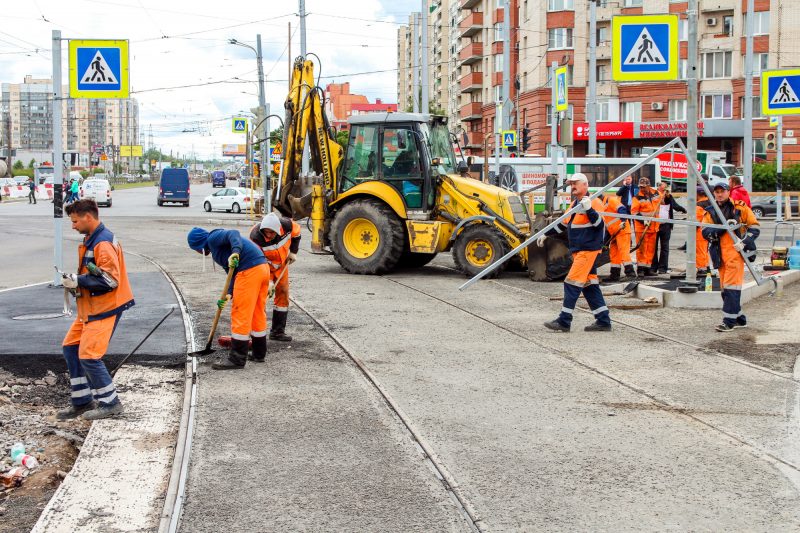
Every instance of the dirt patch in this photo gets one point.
(778, 357)
(27, 409)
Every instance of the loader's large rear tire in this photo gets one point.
(367, 237)
(477, 247)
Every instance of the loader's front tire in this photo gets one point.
(367, 237)
(478, 247)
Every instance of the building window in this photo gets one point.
(677, 110)
(727, 24)
(633, 3)
(498, 93)
(631, 111)
(560, 5)
(499, 4)
(525, 47)
(602, 35)
(717, 65)
(683, 67)
(559, 38)
(498, 62)
(760, 63)
(717, 106)
(498, 31)
(756, 105)
(759, 150)
(548, 109)
(683, 29)
(602, 73)
(605, 110)
(760, 23)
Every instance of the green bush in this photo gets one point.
(764, 175)
(22, 172)
(19, 165)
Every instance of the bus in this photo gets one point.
(522, 173)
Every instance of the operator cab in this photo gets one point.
(399, 149)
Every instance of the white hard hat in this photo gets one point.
(271, 221)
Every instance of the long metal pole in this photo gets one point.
(779, 174)
(58, 161)
(491, 268)
(748, 98)
(505, 117)
(304, 163)
(591, 105)
(498, 109)
(264, 168)
(691, 140)
(426, 90)
(553, 119)
(415, 63)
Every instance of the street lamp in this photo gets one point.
(263, 112)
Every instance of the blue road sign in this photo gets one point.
(239, 125)
(509, 138)
(780, 90)
(644, 47)
(98, 69)
(562, 101)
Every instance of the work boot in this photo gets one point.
(597, 326)
(259, 350)
(644, 272)
(614, 275)
(555, 325)
(630, 272)
(74, 411)
(277, 333)
(237, 356)
(104, 411)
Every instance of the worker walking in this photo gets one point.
(103, 293)
(645, 203)
(248, 289)
(279, 239)
(619, 238)
(31, 191)
(726, 252)
(585, 233)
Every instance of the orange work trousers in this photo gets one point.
(646, 252)
(248, 314)
(281, 302)
(731, 272)
(93, 337)
(620, 248)
(701, 250)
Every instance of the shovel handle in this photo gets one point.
(219, 311)
(274, 285)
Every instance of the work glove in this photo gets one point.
(222, 301)
(233, 260)
(271, 291)
(291, 258)
(586, 203)
(622, 225)
(540, 241)
(70, 281)
(738, 245)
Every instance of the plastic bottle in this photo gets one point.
(19, 457)
(709, 283)
(794, 256)
(17, 450)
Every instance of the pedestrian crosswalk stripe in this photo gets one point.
(645, 51)
(98, 72)
(785, 94)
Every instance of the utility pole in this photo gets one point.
(8, 139)
(426, 90)
(305, 164)
(591, 107)
(691, 141)
(748, 98)
(779, 175)
(553, 120)
(505, 109)
(415, 63)
(58, 161)
(264, 172)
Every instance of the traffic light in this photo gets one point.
(526, 139)
(771, 141)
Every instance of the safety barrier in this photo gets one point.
(43, 192)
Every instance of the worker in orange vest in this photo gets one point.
(619, 237)
(701, 244)
(645, 203)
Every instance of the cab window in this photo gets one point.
(400, 162)
(360, 163)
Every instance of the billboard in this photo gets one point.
(233, 149)
(130, 151)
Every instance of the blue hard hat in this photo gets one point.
(197, 238)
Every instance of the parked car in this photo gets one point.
(231, 199)
(768, 205)
(97, 189)
(173, 186)
(20, 180)
(7, 182)
(218, 178)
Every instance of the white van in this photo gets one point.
(97, 189)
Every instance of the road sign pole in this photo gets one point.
(425, 74)
(505, 119)
(58, 161)
(779, 174)
(591, 106)
(498, 108)
(691, 141)
(264, 170)
(748, 98)
(553, 118)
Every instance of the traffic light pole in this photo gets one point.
(553, 120)
(779, 174)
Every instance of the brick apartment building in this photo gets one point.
(630, 115)
(341, 104)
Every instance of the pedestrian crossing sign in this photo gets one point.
(780, 92)
(562, 101)
(644, 47)
(98, 69)
(239, 125)
(509, 138)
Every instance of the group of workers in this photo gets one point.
(588, 232)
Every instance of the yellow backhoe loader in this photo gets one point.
(397, 197)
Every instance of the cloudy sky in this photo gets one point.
(188, 80)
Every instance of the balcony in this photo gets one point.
(471, 111)
(471, 53)
(469, 4)
(474, 140)
(471, 82)
(471, 24)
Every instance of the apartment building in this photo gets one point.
(341, 104)
(631, 115)
(87, 122)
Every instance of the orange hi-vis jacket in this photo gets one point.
(646, 205)
(98, 298)
(278, 249)
(611, 204)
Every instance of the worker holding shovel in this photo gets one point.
(249, 283)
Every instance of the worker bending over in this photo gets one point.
(726, 253)
(700, 243)
(645, 203)
(585, 232)
(619, 238)
(102, 291)
(249, 287)
(279, 239)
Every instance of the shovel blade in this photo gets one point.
(208, 350)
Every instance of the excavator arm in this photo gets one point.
(306, 119)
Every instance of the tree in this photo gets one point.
(342, 138)
(19, 165)
(32, 163)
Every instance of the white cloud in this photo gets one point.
(347, 36)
